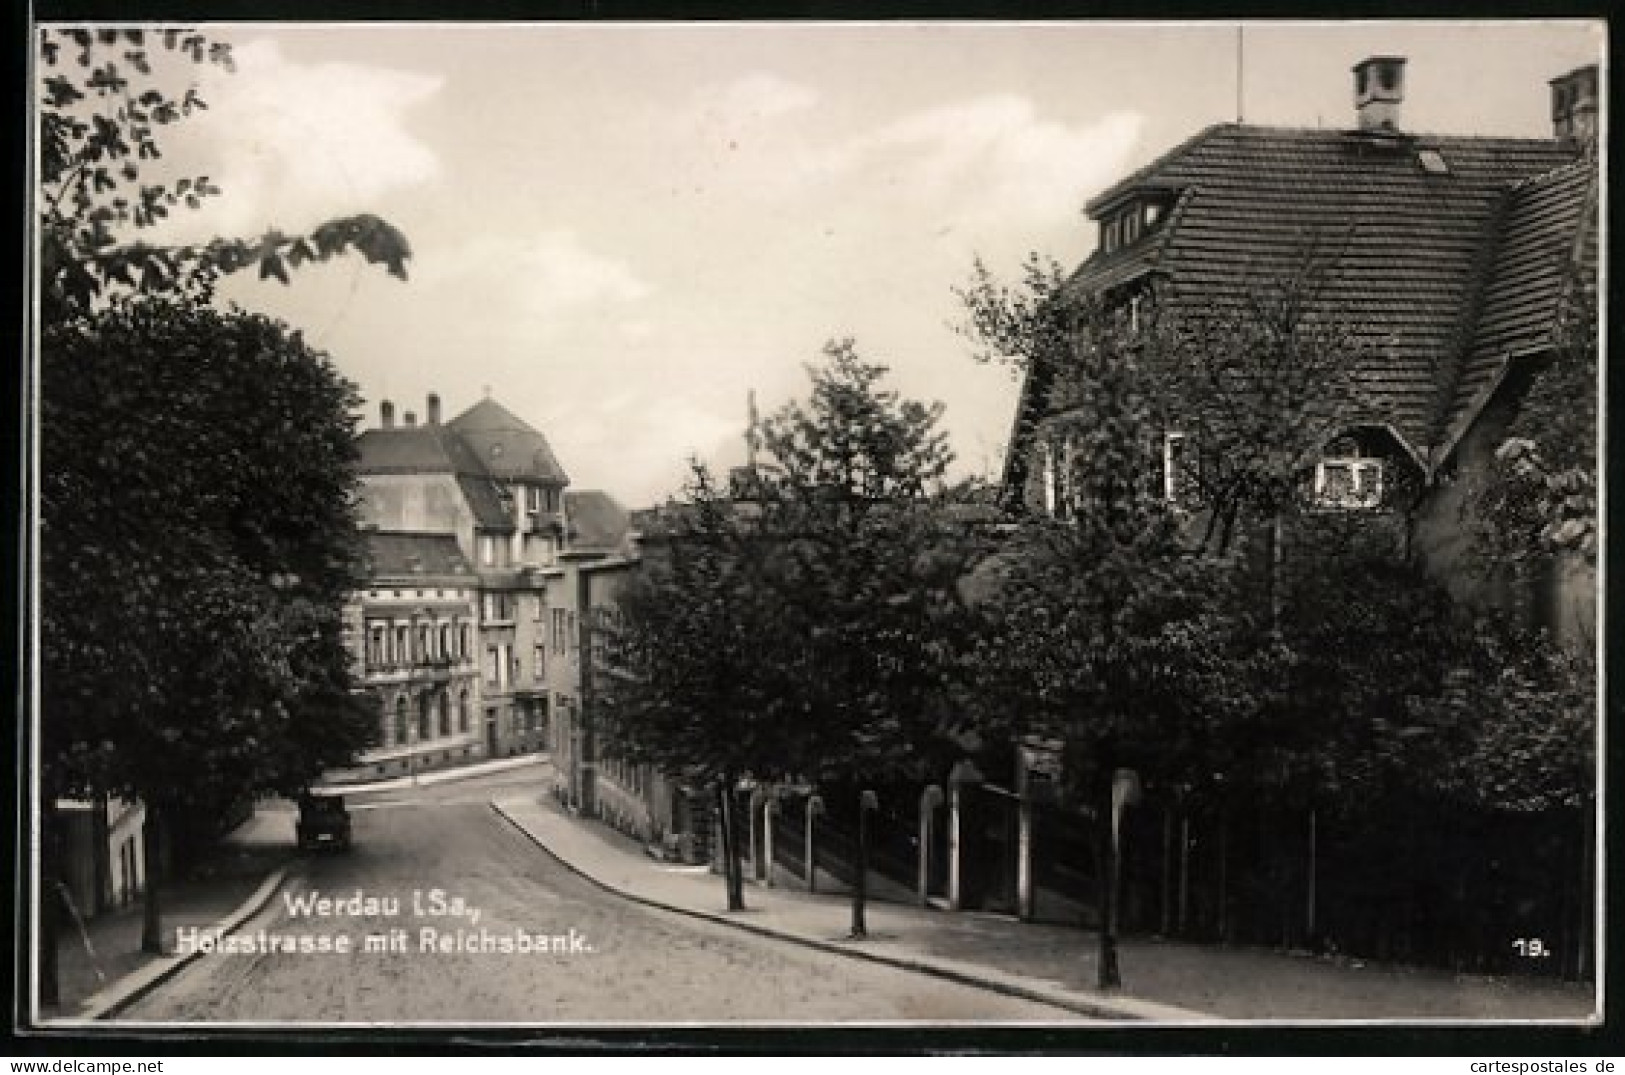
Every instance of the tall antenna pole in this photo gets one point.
(1241, 67)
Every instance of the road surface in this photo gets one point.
(605, 960)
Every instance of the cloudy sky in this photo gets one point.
(621, 230)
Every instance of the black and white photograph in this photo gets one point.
(791, 525)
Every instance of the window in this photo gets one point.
(468, 644)
(533, 498)
(488, 550)
(445, 641)
(403, 644)
(1111, 235)
(400, 722)
(425, 723)
(493, 665)
(1059, 495)
(462, 711)
(1050, 478)
(422, 653)
(560, 630)
(570, 630)
(540, 668)
(375, 645)
(445, 715)
(1180, 470)
(1350, 483)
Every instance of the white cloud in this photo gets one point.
(751, 98)
(544, 279)
(290, 144)
(995, 158)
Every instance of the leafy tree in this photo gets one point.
(804, 629)
(104, 98)
(110, 607)
(869, 546)
(1538, 502)
(1103, 631)
(198, 542)
(706, 661)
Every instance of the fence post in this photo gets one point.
(769, 807)
(1026, 891)
(868, 803)
(757, 797)
(962, 774)
(930, 800)
(815, 806)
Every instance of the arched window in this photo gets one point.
(400, 721)
(462, 712)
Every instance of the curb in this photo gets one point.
(438, 776)
(1126, 1010)
(113, 999)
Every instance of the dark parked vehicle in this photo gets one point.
(323, 822)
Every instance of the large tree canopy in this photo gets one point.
(198, 539)
(104, 96)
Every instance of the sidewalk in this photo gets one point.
(437, 776)
(113, 968)
(1163, 981)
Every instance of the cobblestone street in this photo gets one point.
(632, 964)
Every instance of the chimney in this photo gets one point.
(386, 414)
(1379, 90)
(411, 419)
(434, 409)
(1574, 105)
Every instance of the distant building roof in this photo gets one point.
(391, 554)
(1442, 249)
(483, 448)
(596, 520)
(506, 447)
(1547, 241)
(405, 450)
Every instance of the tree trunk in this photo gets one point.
(152, 925)
(50, 899)
(732, 870)
(101, 900)
(1109, 976)
(1588, 887)
(1184, 871)
(1313, 878)
(860, 878)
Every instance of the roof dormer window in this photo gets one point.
(1126, 225)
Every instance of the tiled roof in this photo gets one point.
(1548, 231)
(1408, 243)
(596, 520)
(404, 450)
(391, 554)
(482, 448)
(506, 446)
(485, 502)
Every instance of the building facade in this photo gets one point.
(466, 521)
(1450, 259)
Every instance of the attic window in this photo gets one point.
(1349, 483)
(1432, 162)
